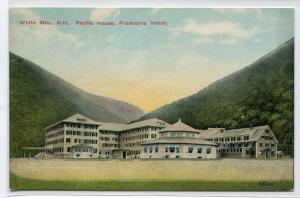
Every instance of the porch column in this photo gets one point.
(256, 150)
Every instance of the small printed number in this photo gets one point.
(265, 183)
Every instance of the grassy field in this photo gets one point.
(183, 175)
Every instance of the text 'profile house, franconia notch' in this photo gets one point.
(82, 137)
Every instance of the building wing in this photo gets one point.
(179, 140)
(254, 133)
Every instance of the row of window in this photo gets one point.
(59, 133)
(267, 137)
(136, 137)
(108, 133)
(132, 144)
(238, 145)
(110, 145)
(135, 152)
(150, 149)
(139, 137)
(143, 129)
(178, 134)
(82, 141)
(176, 149)
(81, 133)
(108, 139)
(199, 149)
(230, 139)
(104, 152)
(79, 125)
(234, 150)
(267, 145)
(76, 149)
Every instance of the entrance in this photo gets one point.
(124, 154)
(268, 153)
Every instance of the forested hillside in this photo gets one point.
(39, 98)
(262, 93)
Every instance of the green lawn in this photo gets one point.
(20, 183)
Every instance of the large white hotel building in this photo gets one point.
(82, 137)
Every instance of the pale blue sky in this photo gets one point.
(148, 66)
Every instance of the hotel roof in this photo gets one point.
(76, 118)
(210, 132)
(153, 122)
(179, 126)
(254, 133)
(179, 140)
(107, 126)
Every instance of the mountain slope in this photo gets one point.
(262, 93)
(39, 98)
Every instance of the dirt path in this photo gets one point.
(221, 170)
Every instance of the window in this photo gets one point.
(150, 149)
(246, 137)
(190, 149)
(156, 149)
(75, 140)
(199, 149)
(69, 149)
(267, 145)
(153, 135)
(238, 138)
(68, 140)
(167, 149)
(267, 130)
(68, 132)
(208, 150)
(260, 144)
(172, 149)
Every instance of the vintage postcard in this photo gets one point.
(143, 99)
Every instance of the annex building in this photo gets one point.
(81, 137)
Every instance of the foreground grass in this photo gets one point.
(21, 183)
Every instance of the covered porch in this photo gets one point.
(37, 152)
(83, 151)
